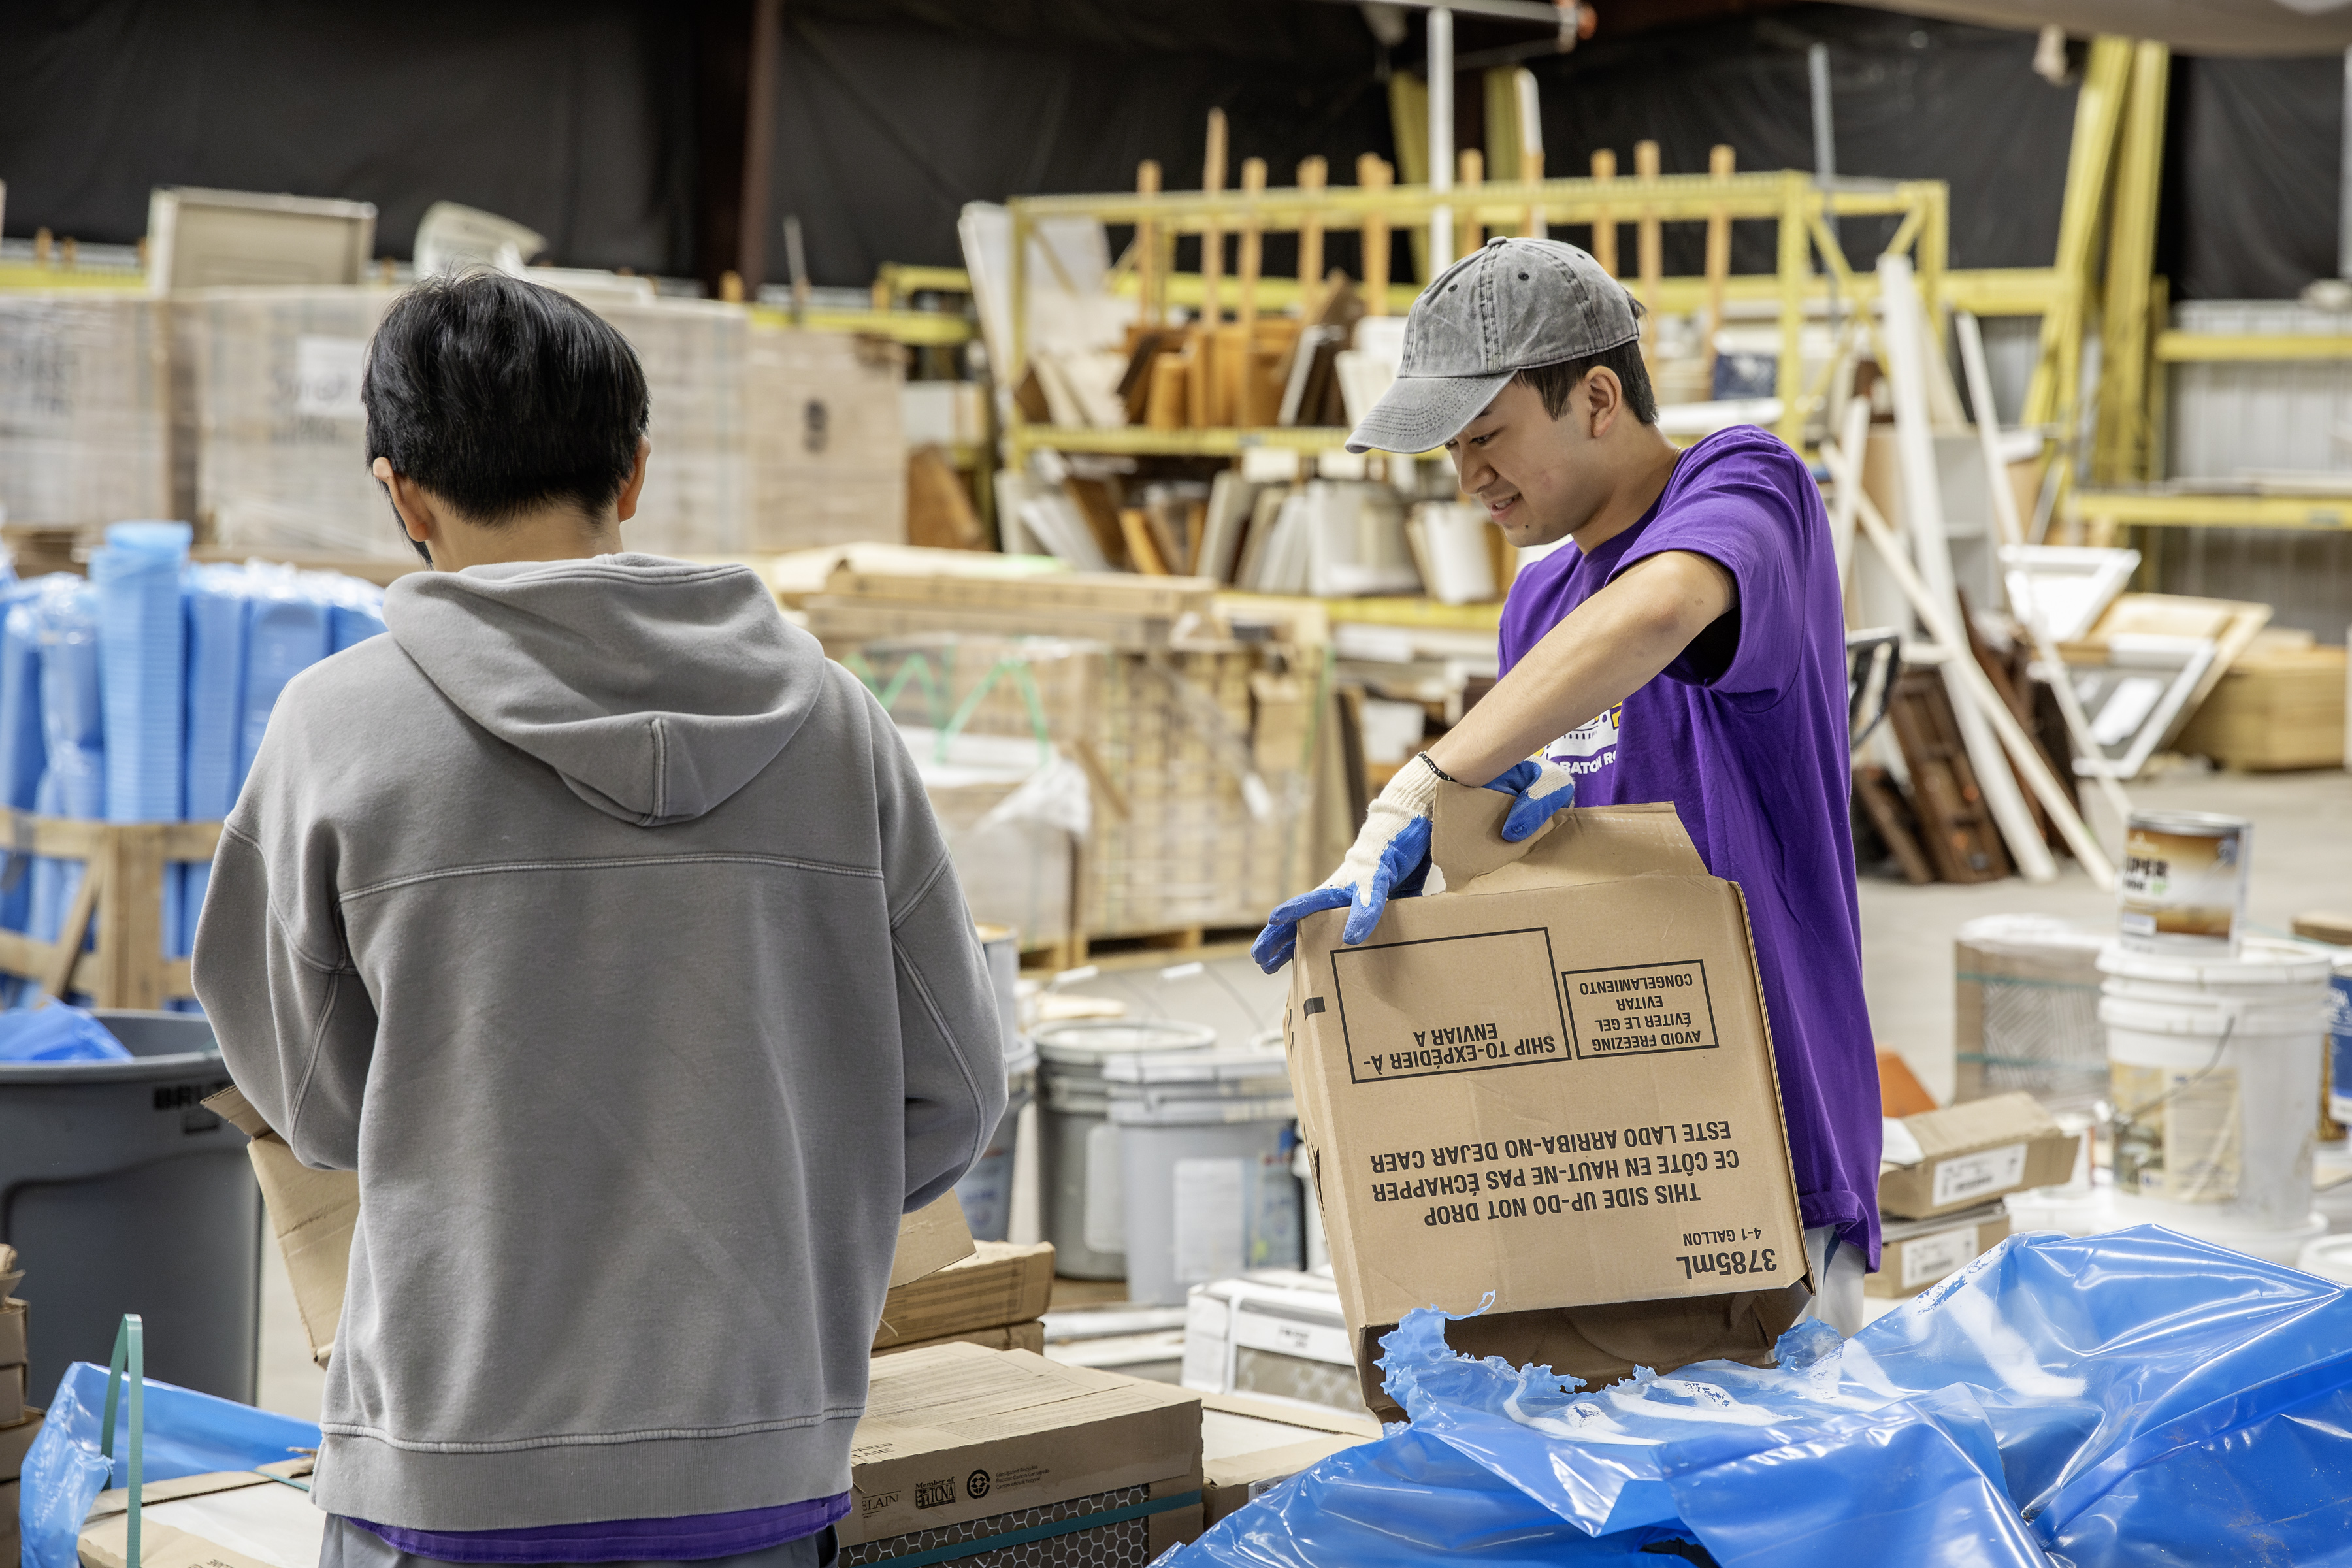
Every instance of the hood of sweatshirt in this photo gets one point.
(657, 689)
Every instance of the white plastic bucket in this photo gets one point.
(2214, 1076)
(1073, 1102)
(1202, 1143)
(2330, 1258)
(2340, 1042)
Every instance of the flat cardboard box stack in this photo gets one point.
(1015, 1460)
(1550, 1089)
(85, 407)
(697, 494)
(1946, 1173)
(20, 1422)
(2281, 705)
(1194, 821)
(995, 1298)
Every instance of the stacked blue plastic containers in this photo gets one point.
(142, 695)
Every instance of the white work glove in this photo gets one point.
(1391, 857)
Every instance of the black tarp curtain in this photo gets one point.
(578, 119)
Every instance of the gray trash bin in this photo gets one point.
(123, 1194)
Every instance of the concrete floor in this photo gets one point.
(2303, 860)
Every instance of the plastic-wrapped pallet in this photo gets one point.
(84, 408)
(698, 485)
(143, 652)
(281, 435)
(74, 781)
(828, 446)
(287, 632)
(23, 754)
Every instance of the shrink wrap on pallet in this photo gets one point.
(85, 389)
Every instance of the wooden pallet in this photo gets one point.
(1956, 829)
(1882, 802)
(121, 902)
(1142, 950)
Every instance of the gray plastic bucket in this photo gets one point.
(121, 1193)
(1074, 1101)
(1203, 1148)
(986, 1190)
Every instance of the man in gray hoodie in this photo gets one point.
(603, 927)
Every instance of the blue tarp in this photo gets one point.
(2137, 1397)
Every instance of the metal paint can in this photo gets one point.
(2182, 888)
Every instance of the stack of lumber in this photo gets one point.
(2281, 704)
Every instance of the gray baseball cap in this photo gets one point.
(1508, 306)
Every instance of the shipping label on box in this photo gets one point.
(1552, 1081)
(1914, 1256)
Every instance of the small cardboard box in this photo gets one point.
(1250, 1445)
(961, 1447)
(314, 1214)
(1971, 1152)
(17, 1441)
(1915, 1254)
(12, 1394)
(997, 1284)
(1550, 1085)
(107, 1544)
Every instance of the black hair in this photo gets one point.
(499, 395)
(1554, 382)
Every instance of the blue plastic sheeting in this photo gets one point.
(143, 648)
(287, 632)
(23, 754)
(57, 1034)
(74, 781)
(184, 1434)
(2126, 1398)
(217, 600)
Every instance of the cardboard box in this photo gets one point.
(1550, 1087)
(12, 1496)
(15, 1332)
(2278, 707)
(12, 1394)
(1968, 1154)
(1915, 1254)
(997, 1284)
(1250, 1445)
(107, 1545)
(960, 1446)
(313, 1213)
(1028, 1336)
(17, 1441)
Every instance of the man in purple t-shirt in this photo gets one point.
(1685, 642)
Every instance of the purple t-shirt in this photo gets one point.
(1745, 734)
(688, 1539)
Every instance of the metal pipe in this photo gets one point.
(1817, 64)
(1441, 135)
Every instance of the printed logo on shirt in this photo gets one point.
(1591, 746)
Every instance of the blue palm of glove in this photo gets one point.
(1402, 868)
(1543, 792)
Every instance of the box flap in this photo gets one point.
(930, 1239)
(231, 1105)
(1584, 844)
(1976, 1124)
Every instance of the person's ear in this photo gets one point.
(1604, 400)
(624, 505)
(409, 503)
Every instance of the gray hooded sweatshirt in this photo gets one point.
(603, 927)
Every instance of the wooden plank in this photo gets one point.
(67, 951)
(1957, 830)
(1088, 593)
(1884, 804)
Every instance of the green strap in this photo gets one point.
(1038, 1531)
(130, 1349)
